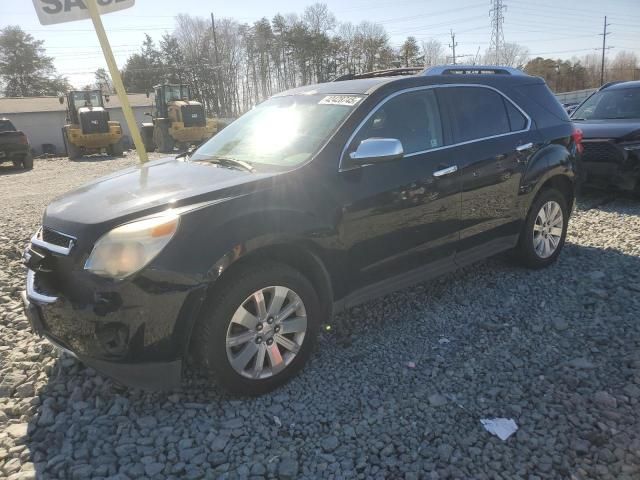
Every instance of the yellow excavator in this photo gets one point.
(177, 120)
(89, 128)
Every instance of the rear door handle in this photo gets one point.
(526, 146)
(445, 171)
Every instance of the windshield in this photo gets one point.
(86, 99)
(283, 131)
(610, 104)
(174, 93)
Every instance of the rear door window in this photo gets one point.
(477, 113)
(412, 117)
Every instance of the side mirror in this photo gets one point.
(61, 99)
(106, 98)
(377, 150)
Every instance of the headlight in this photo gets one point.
(128, 248)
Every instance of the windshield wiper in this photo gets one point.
(187, 153)
(578, 119)
(228, 162)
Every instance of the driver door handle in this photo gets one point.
(445, 171)
(526, 146)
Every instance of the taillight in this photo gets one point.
(23, 140)
(577, 139)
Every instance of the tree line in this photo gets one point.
(232, 66)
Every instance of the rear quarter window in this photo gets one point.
(541, 95)
(516, 119)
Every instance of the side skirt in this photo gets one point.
(426, 272)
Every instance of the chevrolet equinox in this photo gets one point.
(316, 200)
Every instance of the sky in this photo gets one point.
(549, 28)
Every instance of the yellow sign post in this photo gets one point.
(117, 80)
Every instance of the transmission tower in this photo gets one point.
(497, 35)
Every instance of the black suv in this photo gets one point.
(610, 123)
(318, 199)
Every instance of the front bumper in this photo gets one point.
(607, 163)
(136, 331)
(180, 133)
(150, 376)
(96, 140)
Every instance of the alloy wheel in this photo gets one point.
(548, 229)
(266, 332)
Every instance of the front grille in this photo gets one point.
(94, 121)
(193, 116)
(55, 238)
(601, 152)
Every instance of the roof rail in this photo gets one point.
(609, 84)
(390, 72)
(472, 70)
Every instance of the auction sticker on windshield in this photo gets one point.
(59, 11)
(346, 100)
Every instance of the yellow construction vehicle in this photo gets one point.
(176, 121)
(89, 129)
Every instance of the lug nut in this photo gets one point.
(270, 342)
(270, 320)
(259, 327)
(277, 328)
(259, 340)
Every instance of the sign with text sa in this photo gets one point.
(61, 11)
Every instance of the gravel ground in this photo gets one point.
(401, 397)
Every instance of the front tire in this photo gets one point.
(545, 230)
(258, 328)
(73, 152)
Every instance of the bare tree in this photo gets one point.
(433, 52)
(514, 55)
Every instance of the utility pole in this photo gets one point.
(604, 48)
(453, 46)
(216, 82)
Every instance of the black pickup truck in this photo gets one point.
(14, 146)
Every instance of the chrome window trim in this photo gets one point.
(37, 240)
(428, 87)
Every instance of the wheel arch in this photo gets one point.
(297, 255)
(552, 166)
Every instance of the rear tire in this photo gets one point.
(27, 161)
(544, 231)
(261, 330)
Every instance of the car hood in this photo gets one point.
(141, 190)
(616, 129)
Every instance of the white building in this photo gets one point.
(42, 118)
